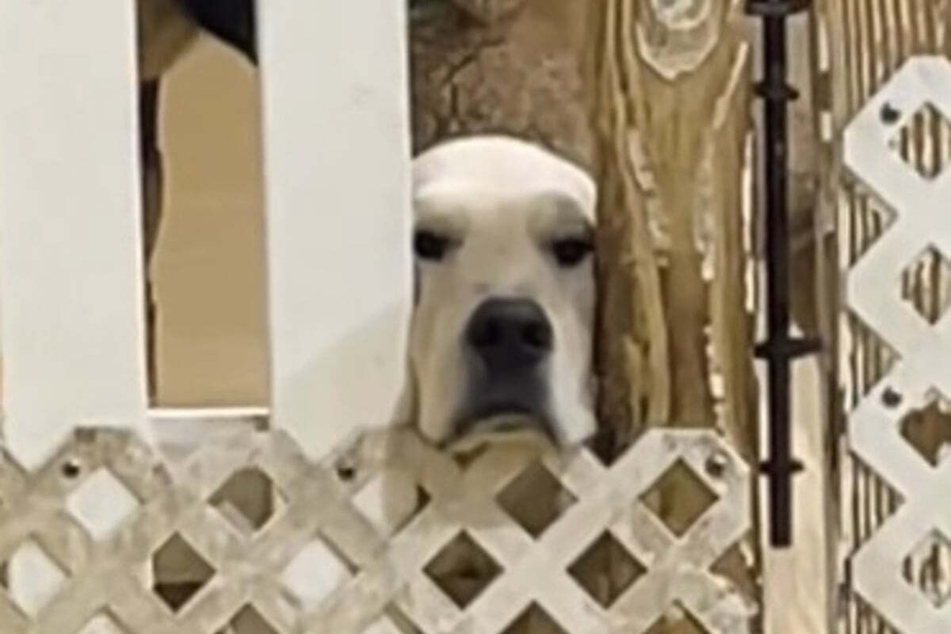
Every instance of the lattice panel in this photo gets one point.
(901, 571)
(545, 575)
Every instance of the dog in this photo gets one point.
(501, 331)
(502, 324)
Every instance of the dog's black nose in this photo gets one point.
(509, 333)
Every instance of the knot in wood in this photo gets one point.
(676, 36)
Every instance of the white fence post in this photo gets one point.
(70, 264)
(70, 246)
(335, 99)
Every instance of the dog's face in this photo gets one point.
(501, 338)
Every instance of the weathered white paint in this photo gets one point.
(70, 264)
(338, 221)
(179, 431)
(923, 350)
(318, 529)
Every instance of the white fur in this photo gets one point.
(505, 165)
(505, 200)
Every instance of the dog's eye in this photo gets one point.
(571, 251)
(429, 245)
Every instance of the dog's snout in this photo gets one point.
(510, 332)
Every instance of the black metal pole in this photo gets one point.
(779, 349)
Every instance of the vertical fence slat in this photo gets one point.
(337, 179)
(70, 266)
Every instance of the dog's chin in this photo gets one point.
(502, 421)
(504, 428)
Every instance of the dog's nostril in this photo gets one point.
(506, 331)
(487, 332)
(537, 334)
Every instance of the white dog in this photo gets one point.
(501, 334)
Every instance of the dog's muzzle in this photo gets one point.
(508, 342)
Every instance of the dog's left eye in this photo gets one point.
(429, 245)
(571, 251)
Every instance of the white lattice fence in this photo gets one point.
(901, 570)
(259, 575)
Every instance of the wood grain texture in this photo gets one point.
(669, 87)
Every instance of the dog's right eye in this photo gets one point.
(571, 251)
(429, 245)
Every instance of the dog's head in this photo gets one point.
(501, 336)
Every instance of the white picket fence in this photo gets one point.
(93, 484)
(337, 167)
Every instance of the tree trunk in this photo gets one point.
(500, 66)
(669, 89)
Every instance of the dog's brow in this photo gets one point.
(572, 223)
(441, 221)
(561, 216)
(563, 203)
